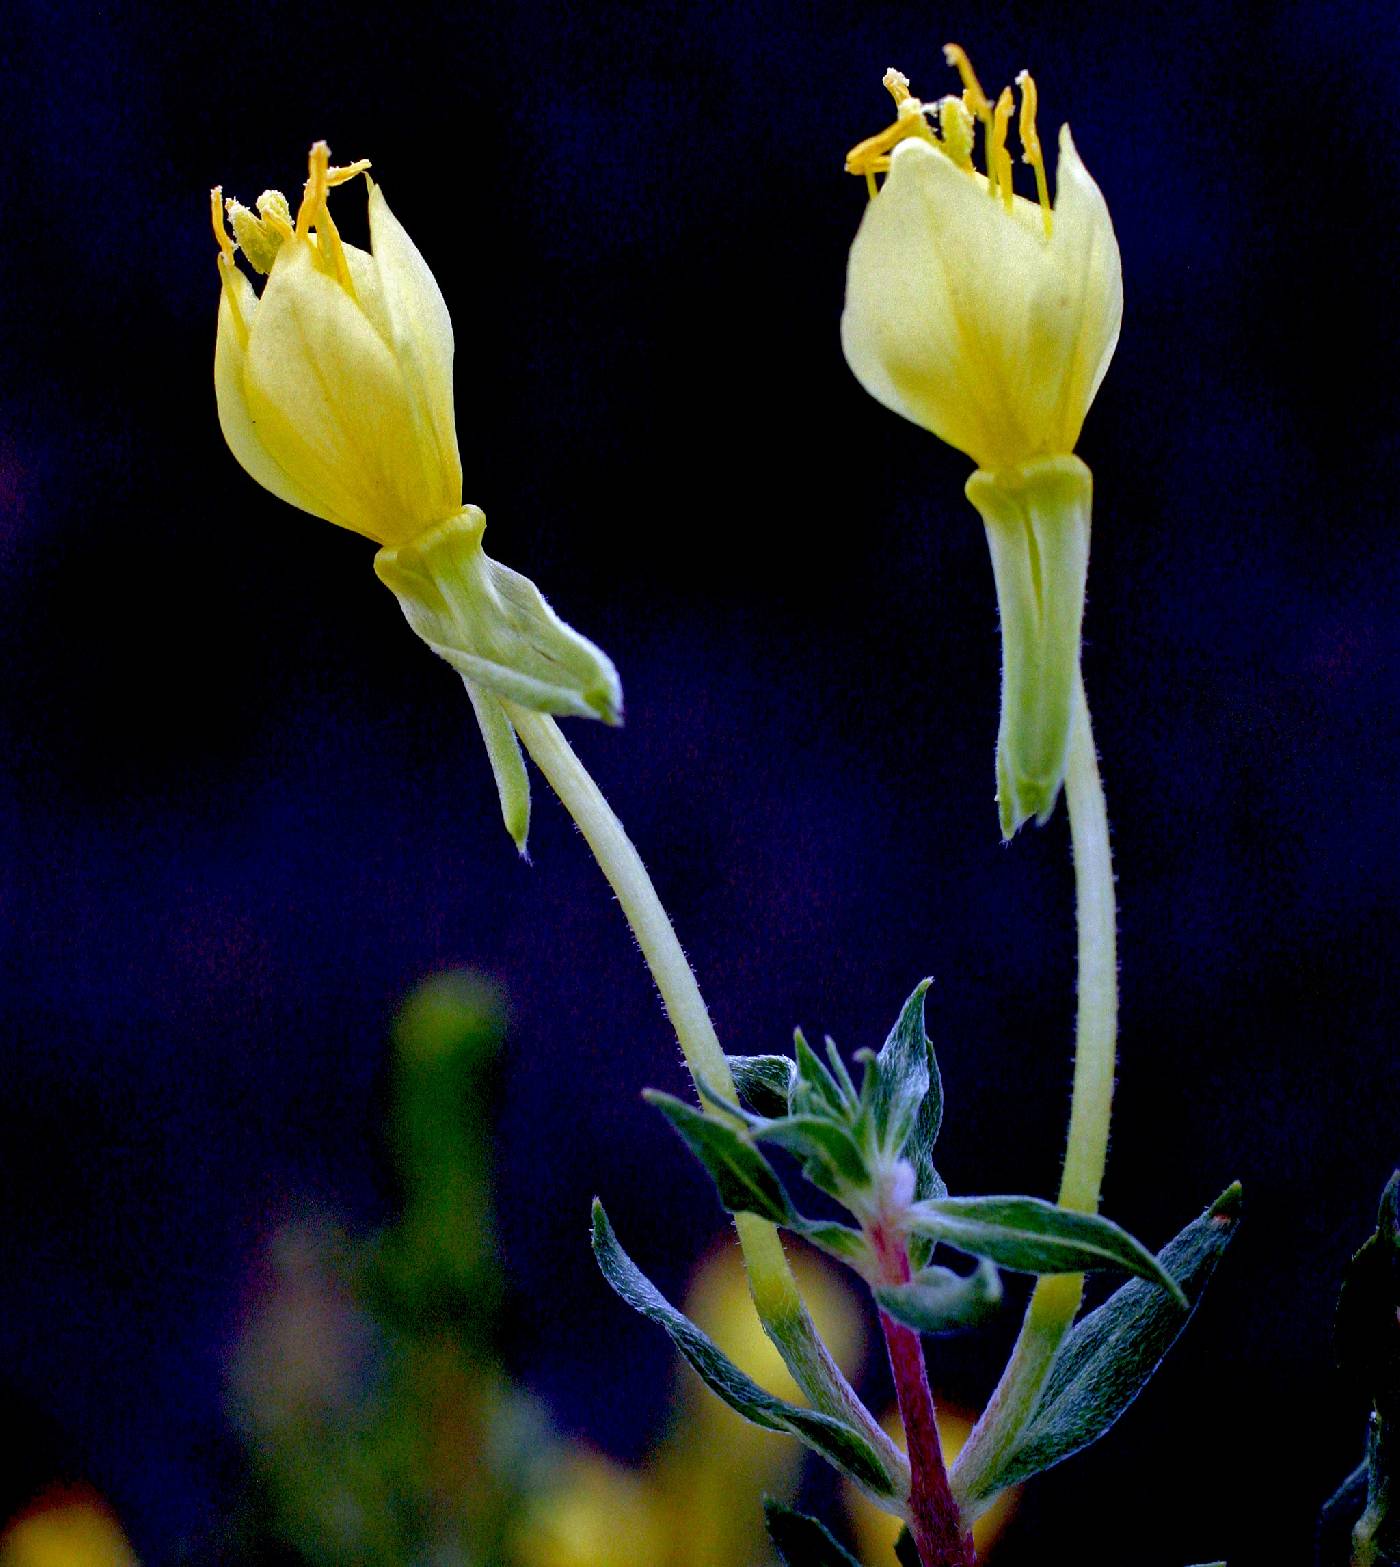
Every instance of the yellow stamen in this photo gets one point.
(226, 263)
(330, 253)
(975, 98)
(871, 156)
(956, 124)
(1030, 143)
(998, 158)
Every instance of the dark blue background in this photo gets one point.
(244, 808)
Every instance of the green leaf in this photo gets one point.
(763, 1082)
(902, 1081)
(815, 1137)
(839, 1443)
(838, 1240)
(938, 1300)
(816, 1091)
(747, 1183)
(840, 1072)
(906, 1553)
(1030, 1235)
(802, 1541)
(1108, 1356)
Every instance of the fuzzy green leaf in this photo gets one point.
(1030, 1235)
(903, 1081)
(1108, 1356)
(938, 1300)
(816, 1091)
(746, 1182)
(802, 1541)
(837, 1240)
(815, 1137)
(840, 1444)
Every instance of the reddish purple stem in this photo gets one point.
(934, 1520)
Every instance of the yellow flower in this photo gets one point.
(986, 318)
(335, 387)
(990, 320)
(335, 392)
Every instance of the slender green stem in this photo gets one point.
(774, 1289)
(1055, 1300)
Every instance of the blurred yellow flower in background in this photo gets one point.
(70, 1529)
(697, 1502)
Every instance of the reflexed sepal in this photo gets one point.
(1030, 1235)
(838, 1442)
(1108, 1356)
(507, 762)
(1037, 521)
(493, 625)
(802, 1541)
(937, 1300)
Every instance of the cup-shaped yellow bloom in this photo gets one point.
(335, 387)
(334, 390)
(990, 320)
(987, 318)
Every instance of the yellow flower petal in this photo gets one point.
(329, 401)
(421, 331)
(963, 316)
(235, 419)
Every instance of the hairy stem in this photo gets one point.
(784, 1316)
(1055, 1300)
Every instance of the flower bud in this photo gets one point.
(335, 392)
(335, 387)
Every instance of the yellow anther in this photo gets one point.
(998, 158)
(896, 85)
(1030, 143)
(259, 241)
(275, 212)
(956, 124)
(976, 99)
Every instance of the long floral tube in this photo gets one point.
(785, 1318)
(1056, 1299)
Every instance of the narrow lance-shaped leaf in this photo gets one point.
(840, 1444)
(746, 1182)
(1108, 1356)
(938, 1300)
(802, 1541)
(1030, 1235)
(816, 1091)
